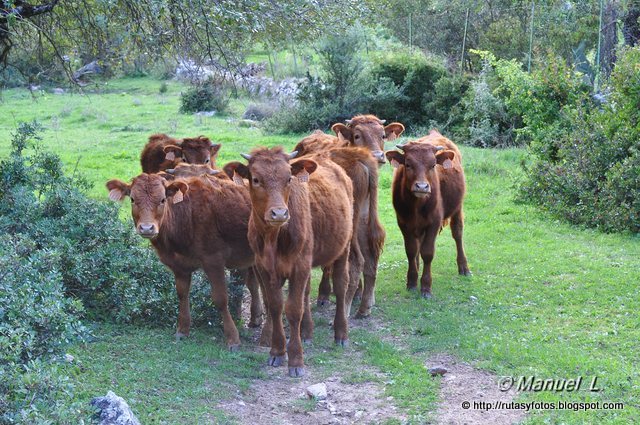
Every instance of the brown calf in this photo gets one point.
(428, 189)
(293, 227)
(194, 223)
(162, 152)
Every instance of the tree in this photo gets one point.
(120, 33)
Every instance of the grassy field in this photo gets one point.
(546, 299)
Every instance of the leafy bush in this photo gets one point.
(485, 114)
(65, 257)
(212, 95)
(260, 111)
(587, 161)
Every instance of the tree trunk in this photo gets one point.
(609, 38)
(631, 28)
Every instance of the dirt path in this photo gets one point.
(283, 400)
(464, 383)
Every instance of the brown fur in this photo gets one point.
(183, 170)
(295, 226)
(369, 235)
(205, 229)
(156, 155)
(425, 195)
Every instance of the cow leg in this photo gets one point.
(411, 247)
(457, 226)
(267, 329)
(358, 295)
(294, 310)
(324, 291)
(219, 297)
(370, 265)
(427, 251)
(256, 303)
(356, 265)
(183, 285)
(273, 294)
(340, 282)
(307, 320)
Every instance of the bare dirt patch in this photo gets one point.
(355, 392)
(463, 383)
(283, 400)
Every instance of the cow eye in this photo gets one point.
(255, 181)
(132, 201)
(357, 136)
(290, 179)
(384, 135)
(163, 200)
(206, 161)
(407, 165)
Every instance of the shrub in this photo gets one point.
(587, 162)
(64, 257)
(163, 88)
(212, 95)
(260, 111)
(487, 120)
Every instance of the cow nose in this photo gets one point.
(379, 155)
(279, 214)
(423, 187)
(146, 228)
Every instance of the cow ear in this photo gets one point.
(343, 131)
(171, 152)
(167, 176)
(176, 191)
(302, 168)
(393, 131)
(395, 158)
(236, 171)
(445, 158)
(118, 190)
(215, 147)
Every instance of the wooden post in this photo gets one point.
(464, 41)
(533, 6)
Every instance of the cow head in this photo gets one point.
(198, 150)
(188, 170)
(270, 173)
(149, 195)
(367, 131)
(419, 161)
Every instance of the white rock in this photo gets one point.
(317, 391)
(68, 358)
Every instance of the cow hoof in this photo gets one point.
(363, 315)
(234, 348)
(427, 295)
(307, 341)
(296, 372)
(412, 288)
(276, 361)
(357, 298)
(465, 272)
(180, 335)
(344, 343)
(322, 302)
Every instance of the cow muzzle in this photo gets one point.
(421, 189)
(379, 156)
(277, 216)
(147, 230)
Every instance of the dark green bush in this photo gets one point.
(66, 257)
(586, 162)
(211, 95)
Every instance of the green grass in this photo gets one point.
(552, 300)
